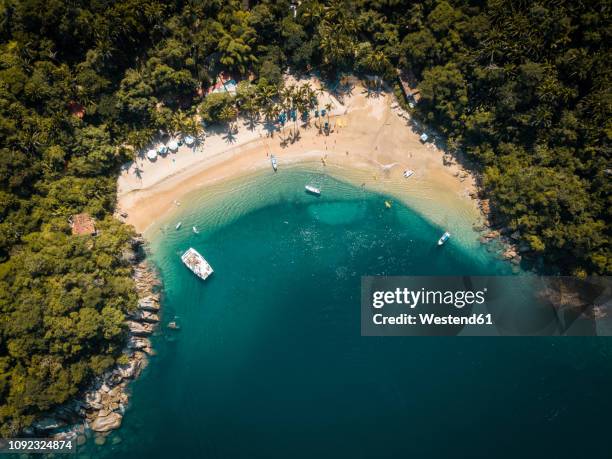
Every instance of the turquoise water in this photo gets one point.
(270, 363)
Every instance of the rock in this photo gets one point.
(136, 241)
(100, 440)
(130, 370)
(144, 316)
(106, 423)
(485, 206)
(509, 253)
(516, 235)
(138, 343)
(81, 440)
(149, 303)
(516, 260)
(491, 234)
(139, 329)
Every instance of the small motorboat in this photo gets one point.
(173, 325)
(274, 162)
(444, 238)
(313, 190)
(195, 229)
(178, 225)
(408, 173)
(388, 204)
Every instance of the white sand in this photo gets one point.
(380, 145)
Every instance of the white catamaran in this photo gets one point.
(196, 262)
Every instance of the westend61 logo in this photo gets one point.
(489, 306)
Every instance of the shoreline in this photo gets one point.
(372, 142)
(99, 407)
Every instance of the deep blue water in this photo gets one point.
(270, 363)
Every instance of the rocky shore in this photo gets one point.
(504, 241)
(99, 409)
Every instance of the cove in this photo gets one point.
(269, 361)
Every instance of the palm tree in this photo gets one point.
(235, 53)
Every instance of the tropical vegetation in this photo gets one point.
(523, 88)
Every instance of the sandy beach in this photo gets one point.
(371, 144)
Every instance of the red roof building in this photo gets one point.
(82, 224)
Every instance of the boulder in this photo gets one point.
(100, 440)
(139, 329)
(138, 343)
(130, 370)
(491, 234)
(516, 235)
(149, 303)
(144, 316)
(106, 423)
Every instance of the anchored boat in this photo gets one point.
(444, 238)
(313, 190)
(178, 225)
(196, 263)
(274, 162)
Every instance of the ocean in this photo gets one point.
(270, 363)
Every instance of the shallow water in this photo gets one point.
(270, 362)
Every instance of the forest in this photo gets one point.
(522, 87)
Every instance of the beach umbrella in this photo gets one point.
(172, 145)
(189, 140)
(162, 149)
(151, 154)
(424, 137)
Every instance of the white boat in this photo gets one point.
(195, 229)
(408, 173)
(444, 238)
(178, 225)
(313, 189)
(274, 162)
(196, 263)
